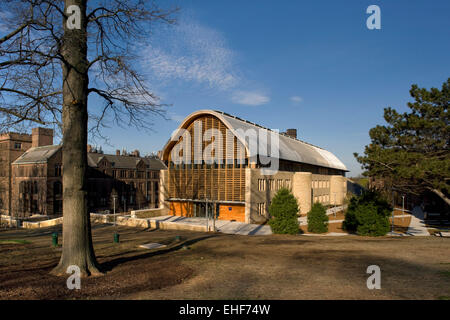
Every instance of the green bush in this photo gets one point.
(317, 219)
(283, 211)
(370, 223)
(368, 215)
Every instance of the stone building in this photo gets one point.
(132, 180)
(12, 146)
(236, 181)
(31, 176)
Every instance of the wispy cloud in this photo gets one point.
(250, 98)
(296, 99)
(197, 54)
(176, 117)
(193, 53)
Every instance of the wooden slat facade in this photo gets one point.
(222, 182)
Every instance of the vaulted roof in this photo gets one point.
(290, 149)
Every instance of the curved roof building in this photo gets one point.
(237, 165)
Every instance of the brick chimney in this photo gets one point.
(41, 137)
(135, 153)
(292, 133)
(89, 148)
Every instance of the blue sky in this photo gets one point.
(310, 65)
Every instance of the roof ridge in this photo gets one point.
(258, 125)
(47, 146)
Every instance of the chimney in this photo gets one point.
(89, 148)
(135, 153)
(117, 152)
(41, 137)
(292, 133)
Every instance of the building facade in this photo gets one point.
(234, 182)
(31, 176)
(12, 146)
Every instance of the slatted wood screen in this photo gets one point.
(201, 181)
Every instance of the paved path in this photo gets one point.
(303, 220)
(224, 226)
(417, 226)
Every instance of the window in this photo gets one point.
(279, 184)
(262, 209)
(156, 191)
(57, 170)
(17, 145)
(34, 206)
(261, 184)
(288, 183)
(57, 188)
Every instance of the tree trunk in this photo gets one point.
(77, 240)
(441, 195)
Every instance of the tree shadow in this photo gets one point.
(111, 264)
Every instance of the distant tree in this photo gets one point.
(55, 54)
(412, 152)
(283, 211)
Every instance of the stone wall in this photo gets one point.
(307, 188)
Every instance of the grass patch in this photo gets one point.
(444, 298)
(445, 273)
(15, 241)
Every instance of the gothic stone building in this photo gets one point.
(237, 186)
(125, 181)
(12, 146)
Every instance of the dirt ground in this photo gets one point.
(220, 266)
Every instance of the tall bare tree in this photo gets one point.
(52, 56)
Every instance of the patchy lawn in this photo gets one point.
(220, 266)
